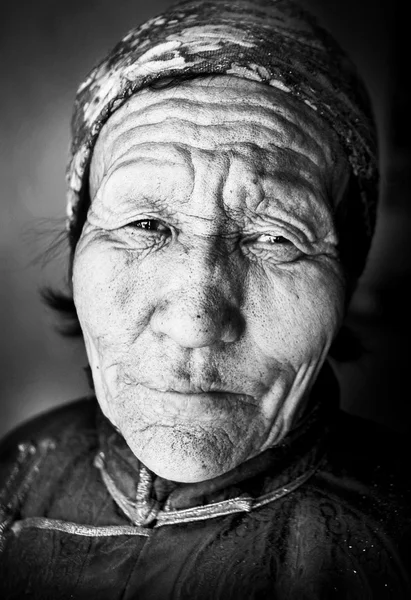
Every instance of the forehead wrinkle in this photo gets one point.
(242, 142)
(110, 159)
(276, 163)
(241, 94)
(269, 133)
(129, 166)
(173, 154)
(204, 111)
(271, 114)
(204, 123)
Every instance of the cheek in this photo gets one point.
(295, 314)
(112, 301)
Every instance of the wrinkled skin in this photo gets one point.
(206, 278)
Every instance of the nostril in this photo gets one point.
(232, 327)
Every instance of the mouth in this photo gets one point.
(191, 389)
(190, 401)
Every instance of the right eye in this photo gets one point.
(150, 225)
(145, 233)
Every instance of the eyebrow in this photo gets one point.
(286, 189)
(301, 214)
(304, 195)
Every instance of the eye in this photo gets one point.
(150, 225)
(266, 238)
(145, 234)
(273, 248)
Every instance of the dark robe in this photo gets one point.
(324, 515)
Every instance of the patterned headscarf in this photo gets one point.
(273, 42)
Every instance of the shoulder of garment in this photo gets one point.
(60, 424)
(50, 440)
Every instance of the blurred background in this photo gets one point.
(46, 49)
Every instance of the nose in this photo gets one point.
(199, 314)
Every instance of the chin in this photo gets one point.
(185, 471)
(186, 456)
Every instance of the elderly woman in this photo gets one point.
(222, 193)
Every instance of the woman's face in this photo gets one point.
(206, 278)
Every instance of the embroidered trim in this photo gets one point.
(76, 529)
(142, 512)
(143, 516)
(234, 505)
(218, 509)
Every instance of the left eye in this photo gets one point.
(273, 248)
(266, 238)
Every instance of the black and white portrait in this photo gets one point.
(205, 256)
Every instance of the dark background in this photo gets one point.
(46, 49)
